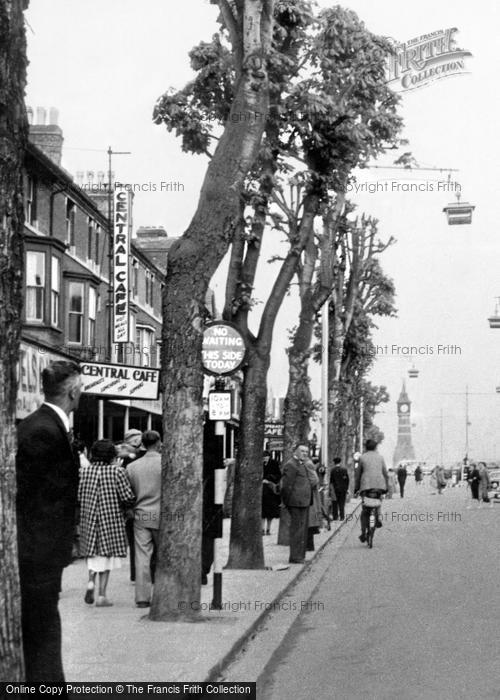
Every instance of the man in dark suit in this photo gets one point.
(296, 494)
(47, 484)
(339, 486)
(402, 474)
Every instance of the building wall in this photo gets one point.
(50, 327)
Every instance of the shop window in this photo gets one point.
(55, 281)
(75, 314)
(35, 285)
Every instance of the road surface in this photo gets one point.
(415, 618)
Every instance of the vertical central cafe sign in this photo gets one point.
(121, 252)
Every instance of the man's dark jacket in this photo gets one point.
(296, 488)
(47, 486)
(339, 479)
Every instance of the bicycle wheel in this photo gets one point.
(371, 529)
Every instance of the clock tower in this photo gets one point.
(404, 448)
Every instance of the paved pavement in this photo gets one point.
(120, 643)
(415, 618)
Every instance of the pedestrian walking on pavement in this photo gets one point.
(473, 479)
(271, 499)
(296, 493)
(145, 477)
(391, 483)
(315, 516)
(439, 478)
(339, 486)
(104, 492)
(130, 449)
(402, 474)
(47, 485)
(484, 483)
(418, 475)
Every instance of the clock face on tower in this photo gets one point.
(404, 408)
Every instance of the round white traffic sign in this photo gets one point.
(223, 349)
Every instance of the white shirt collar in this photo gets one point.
(62, 415)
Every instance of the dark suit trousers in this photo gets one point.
(402, 487)
(338, 506)
(129, 529)
(41, 624)
(299, 523)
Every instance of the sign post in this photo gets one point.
(223, 353)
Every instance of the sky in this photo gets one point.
(104, 63)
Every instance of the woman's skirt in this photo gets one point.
(100, 564)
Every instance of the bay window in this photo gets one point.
(35, 285)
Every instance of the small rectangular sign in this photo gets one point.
(219, 405)
(120, 381)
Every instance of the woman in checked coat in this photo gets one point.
(104, 492)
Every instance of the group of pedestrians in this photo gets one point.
(305, 501)
(478, 478)
(53, 477)
(113, 491)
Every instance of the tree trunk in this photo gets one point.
(298, 398)
(253, 410)
(192, 262)
(246, 551)
(13, 135)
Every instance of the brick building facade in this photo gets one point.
(67, 283)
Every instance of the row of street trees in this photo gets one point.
(320, 108)
(285, 104)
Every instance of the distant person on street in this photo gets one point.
(104, 492)
(371, 478)
(402, 474)
(473, 478)
(47, 484)
(339, 486)
(324, 498)
(439, 478)
(296, 493)
(145, 477)
(271, 500)
(315, 516)
(418, 475)
(484, 483)
(81, 451)
(392, 483)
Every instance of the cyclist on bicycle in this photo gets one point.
(371, 479)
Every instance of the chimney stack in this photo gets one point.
(48, 137)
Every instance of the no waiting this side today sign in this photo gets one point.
(223, 349)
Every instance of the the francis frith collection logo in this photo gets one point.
(425, 59)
